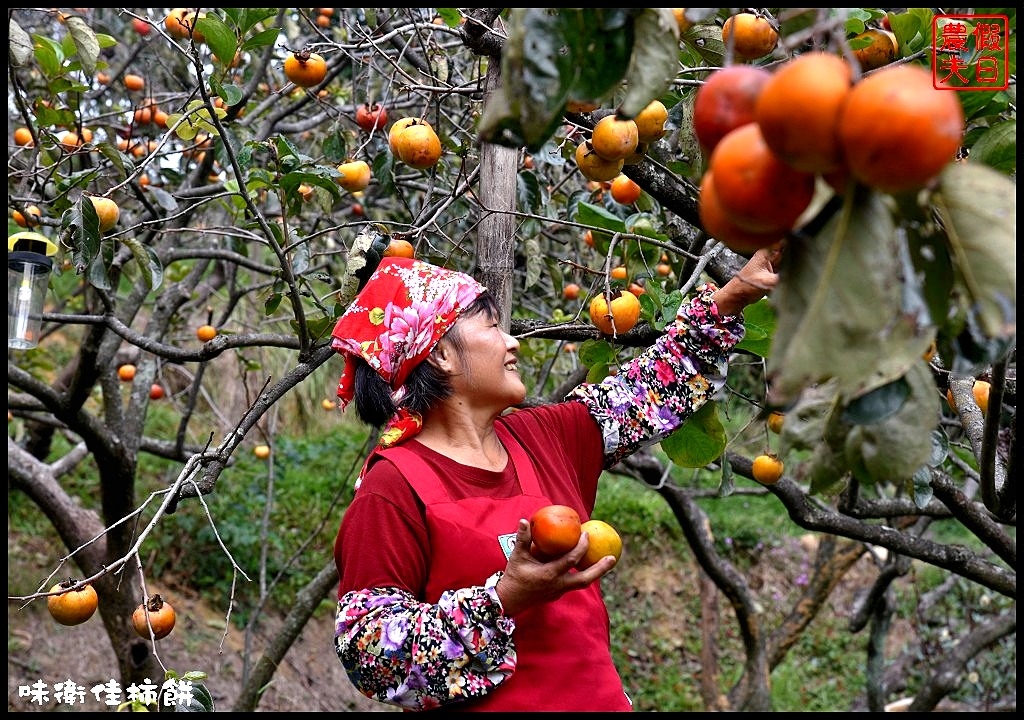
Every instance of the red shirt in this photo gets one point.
(562, 441)
(439, 525)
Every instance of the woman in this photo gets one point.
(440, 600)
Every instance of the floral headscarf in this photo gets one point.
(405, 307)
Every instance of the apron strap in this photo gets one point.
(423, 478)
(428, 485)
(528, 480)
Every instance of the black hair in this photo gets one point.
(426, 383)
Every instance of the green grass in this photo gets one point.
(654, 604)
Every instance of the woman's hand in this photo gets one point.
(529, 582)
(751, 283)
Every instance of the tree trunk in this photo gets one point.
(305, 604)
(496, 239)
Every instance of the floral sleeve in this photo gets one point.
(418, 656)
(665, 384)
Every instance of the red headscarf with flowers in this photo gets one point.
(394, 322)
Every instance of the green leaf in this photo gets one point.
(97, 273)
(940, 448)
(529, 194)
(148, 263)
(300, 258)
(261, 39)
(840, 307)
(597, 352)
(105, 41)
(728, 484)
(320, 328)
(231, 94)
(185, 131)
(451, 16)
(287, 150)
(80, 230)
(595, 215)
(922, 485)
(978, 208)
(548, 58)
(699, 441)
(654, 63)
(599, 44)
(219, 37)
(48, 55)
(895, 448)
(86, 44)
(826, 472)
(650, 310)
(116, 158)
(201, 701)
(878, 404)
(705, 41)
(597, 373)
(759, 319)
(272, 303)
(164, 199)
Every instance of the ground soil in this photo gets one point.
(311, 678)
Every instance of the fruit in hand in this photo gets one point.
(555, 529)
(73, 607)
(767, 469)
(619, 317)
(604, 541)
(305, 69)
(157, 614)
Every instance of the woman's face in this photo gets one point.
(485, 369)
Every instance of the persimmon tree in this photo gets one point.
(232, 213)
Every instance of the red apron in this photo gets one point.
(563, 650)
